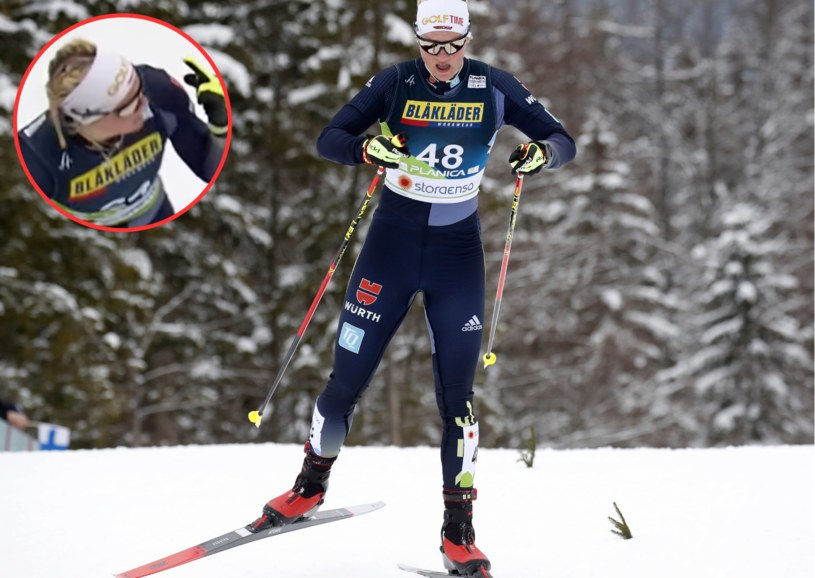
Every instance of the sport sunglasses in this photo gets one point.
(131, 106)
(450, 46)
(124, 110)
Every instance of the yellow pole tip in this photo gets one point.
(255, 417)
(489, 359)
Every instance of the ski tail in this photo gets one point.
(171, 561)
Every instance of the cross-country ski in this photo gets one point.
(436, 574)
(243, 536)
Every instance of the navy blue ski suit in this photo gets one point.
(425, 237)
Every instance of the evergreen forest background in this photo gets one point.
(660, 290)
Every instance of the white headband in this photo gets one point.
(442, 16)
(109, 79)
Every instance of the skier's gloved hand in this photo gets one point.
(529, 158)
(385, 151)
(210, 96)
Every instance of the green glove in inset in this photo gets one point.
(210, 96)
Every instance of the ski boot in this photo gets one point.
(303, 499)
(460, 555)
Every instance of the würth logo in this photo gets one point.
(367, 292)
(473, 324)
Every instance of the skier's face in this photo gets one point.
(443, 66)
(127, 118)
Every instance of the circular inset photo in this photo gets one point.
(122, 122)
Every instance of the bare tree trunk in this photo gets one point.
(663, 180)
(394, 407)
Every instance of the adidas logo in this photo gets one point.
(473, 324)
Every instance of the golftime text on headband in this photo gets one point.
(109, 79)
(442, 16)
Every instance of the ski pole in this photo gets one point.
(257, 416)
(489, 357)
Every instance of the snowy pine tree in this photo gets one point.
(747, 355)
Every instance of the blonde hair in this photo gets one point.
(65, 71)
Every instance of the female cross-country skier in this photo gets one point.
(424, 237)
(97, 150)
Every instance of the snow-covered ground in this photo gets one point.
(729, 513)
